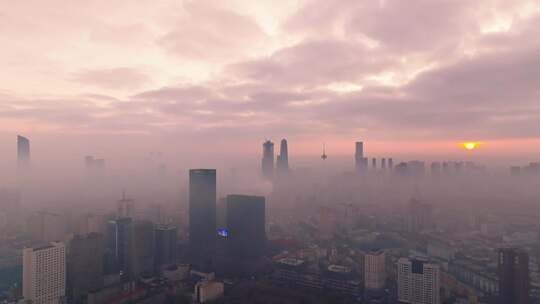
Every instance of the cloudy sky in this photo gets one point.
(415, 75)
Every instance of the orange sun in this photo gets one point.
(471, 145)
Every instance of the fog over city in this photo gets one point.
(306, 151)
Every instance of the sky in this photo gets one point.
(416, 76)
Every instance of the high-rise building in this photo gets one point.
(44, 274)
(383, 164)
(165, 249)
(202, 215)
(374, 270)
(282, 164)
(419, 217)
(374, 164)
(359, 162)
(142, 249)
(23, 151)
(246, 226)
(514, 281)
(436, 169)
(46, 226)
(84, 266)
(118, 244)
(125, 207)
(418, 281)
(267, 163)
(390, 164)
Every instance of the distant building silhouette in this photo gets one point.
(514, 281)
(359, 160)
(246, 226)
(84, 266)
(125, 207)
(141, 249)
(165, 249)
(23, 151)
(282, 163)
(267, 163)
(202, 216)
(118, 244)
(419, 217)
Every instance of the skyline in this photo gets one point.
(233, 73)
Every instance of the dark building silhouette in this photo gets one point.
(23, 151)
(514, 279)
(267, 163)
(125, 207)
(383, 164)
(419, 217)
(436, 169)
(84, 266)
(165, 246)
(202, 216)
(390, 164)
(374, 164)
(282, 164)
(118, 244)
(246, 226)
(359, 161)
(141, 249)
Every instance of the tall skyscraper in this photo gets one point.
(84, 266)
(374, 164)
(141, 249)
(246, 226)
(514, 281)
(125, 207)
(359, 157)
(419, 217)
(374, 270)
(44, 274)
(23, 151)
(202, 215)
(165, 249)
(282, 164)
(383, 164)
(390, 164)
(118, 244)
(267, 163)
(418, 282)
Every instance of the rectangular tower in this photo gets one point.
(359, 156)
(418, 281)
(246, 226)
(374, 270)
(514, 282)
(202, 215)
(84, 266)
(44, 274)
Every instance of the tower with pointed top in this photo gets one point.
(282, 164)
(267, 163)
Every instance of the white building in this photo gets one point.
(374, 270)
(208, 291)
(418, 281)
(44, 274)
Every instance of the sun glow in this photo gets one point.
(471, 145)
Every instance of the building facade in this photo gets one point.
(202, 216)
(374, 270)
(514, 281)
(418, 281)
(44, 274)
